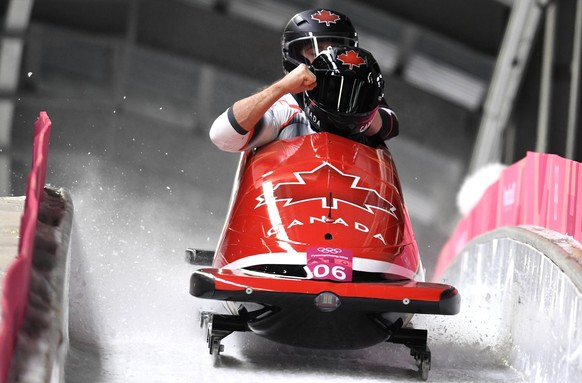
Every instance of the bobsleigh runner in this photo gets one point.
(317, 251)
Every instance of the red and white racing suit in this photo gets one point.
(284, 119)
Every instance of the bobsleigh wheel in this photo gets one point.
(215, 349)
(214, 333)
(424, 368)
(415, 340)
(423, 363)
(214, 346)
(205, 319)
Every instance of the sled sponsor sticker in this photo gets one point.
(330, 263)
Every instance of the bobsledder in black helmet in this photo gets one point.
(348, 92)
(312, 31)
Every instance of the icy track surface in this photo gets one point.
(132, 319)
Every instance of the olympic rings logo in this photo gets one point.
(329, 250)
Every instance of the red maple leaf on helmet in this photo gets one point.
(325, 16)
(352, 59)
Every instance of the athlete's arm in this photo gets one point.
(235, 129)
(384, 125)
(249, 111)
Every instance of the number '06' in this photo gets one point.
(323, 270)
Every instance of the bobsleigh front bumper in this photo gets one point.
(373, 297)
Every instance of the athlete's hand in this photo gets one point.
(299, 80)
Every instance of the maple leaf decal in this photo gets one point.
(325, 16)
(344, 188)
(352, 59)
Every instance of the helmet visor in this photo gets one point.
(344, 94)
(303, 50)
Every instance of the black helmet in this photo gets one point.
(311, 29)
(348, 92)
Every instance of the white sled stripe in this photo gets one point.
(374, 266)
(269, 259)
(359, 264)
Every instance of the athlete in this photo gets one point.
(256, 120)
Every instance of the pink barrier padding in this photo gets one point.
(534, 179)
(575, 189)
(486, 210)
(16, 281)
(542, 189)
(578, 191)
(509, 190)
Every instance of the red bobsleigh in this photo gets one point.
(317, 251)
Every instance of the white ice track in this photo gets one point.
(132, 319)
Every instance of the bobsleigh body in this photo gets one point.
(319, 190)
(318, 250)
